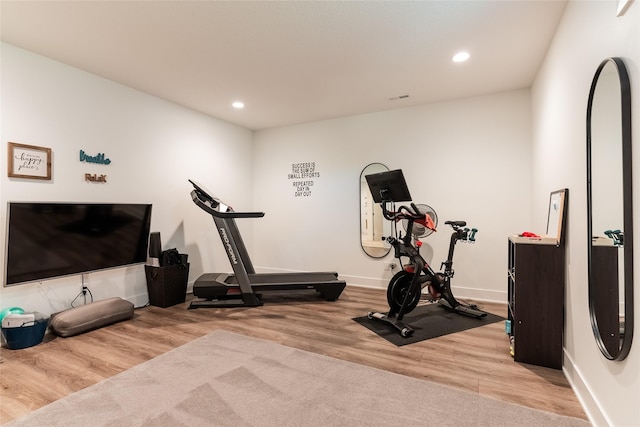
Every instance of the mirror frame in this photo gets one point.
(386, 246)
(625, 89)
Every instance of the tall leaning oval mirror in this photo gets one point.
(609, 210)
(373, 227)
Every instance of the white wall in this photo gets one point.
(468, 159)
(154, 146)
(589, 33)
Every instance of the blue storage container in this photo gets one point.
(25, 336)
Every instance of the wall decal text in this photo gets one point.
(95, 177)
(301, 173)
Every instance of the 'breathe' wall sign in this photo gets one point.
(98, 158)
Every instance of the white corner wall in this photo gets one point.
(468, 159)
(588, 33)
(154, 146)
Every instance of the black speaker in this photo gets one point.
(155, 246)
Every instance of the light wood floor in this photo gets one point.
(476, 360)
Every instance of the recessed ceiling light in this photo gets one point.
(238, 105)
(461, 57)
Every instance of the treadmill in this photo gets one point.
(245, 286)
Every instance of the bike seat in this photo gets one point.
(456, 223)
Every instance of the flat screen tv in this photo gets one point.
(46, 240)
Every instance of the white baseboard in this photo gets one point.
(460, 292)
(381, 283)
(590, 405)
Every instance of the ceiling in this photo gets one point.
(292, 61)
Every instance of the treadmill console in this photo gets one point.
(204, 196)
(215, 207)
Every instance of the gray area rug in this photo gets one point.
(226, 379)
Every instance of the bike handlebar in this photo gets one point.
(399, 214)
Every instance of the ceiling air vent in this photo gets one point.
(397, 97)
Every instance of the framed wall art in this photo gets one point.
(556, 216)
(29, 161)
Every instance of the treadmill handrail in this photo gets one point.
(212, 211)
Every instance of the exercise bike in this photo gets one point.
(405, 287)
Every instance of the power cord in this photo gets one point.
(83, 293)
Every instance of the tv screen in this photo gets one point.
(46, 240)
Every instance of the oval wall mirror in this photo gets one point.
(373, 226)
(609, 210)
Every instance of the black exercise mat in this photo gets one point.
(428, 321)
